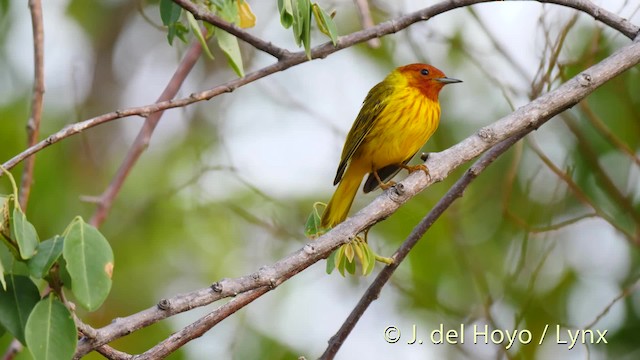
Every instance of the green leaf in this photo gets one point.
(16, 303)
(169, 12)
(331, 262)
(325, 23)
(196, 30)
(351, 267)
(340, 260)
(304, 7)
(227, 42)
(372, 259)
(47, 253)
(286, 13)
(229, 45)
(312, 228)
(89, 262)
(24, 233)
(297, 22)
(228, 10)
(51, 332)
(6, 261)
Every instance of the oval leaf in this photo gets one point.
(325, 23)
(198, 33)
(169, 12)
(51, 332)
(229, 45)
(47, 253)
(286, 13)
(24, 233)
(89, 263)
(16, 304)
(331, 262)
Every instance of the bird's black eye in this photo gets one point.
(424, 72)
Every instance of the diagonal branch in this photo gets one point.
(366, 20)
(321, 51)
(523, 120)
(140, 144)
(33, 125)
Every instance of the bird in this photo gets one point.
(398, 116)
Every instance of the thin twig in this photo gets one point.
(140, 144)
(498, 46)
(551, 227)
(33, 124)
(591, 156)
(364, 13)
(577, 191)
(201, 13)
(524, 119)
(629, 290)
(416, 234)
(113, 354)
(606, 132)
(321, 51)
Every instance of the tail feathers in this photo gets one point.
(340, 203)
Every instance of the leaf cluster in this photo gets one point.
(79, 260)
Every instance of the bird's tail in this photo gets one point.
(340, 203)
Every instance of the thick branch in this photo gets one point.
(321, 51)
(33, 125)
(525, 119)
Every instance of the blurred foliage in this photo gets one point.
(188, 216)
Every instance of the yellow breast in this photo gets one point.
(400, 130)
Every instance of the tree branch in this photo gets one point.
(202, 325)
(321, 51)
(33, 124)
(364, 12)
(140, 144)
(523, 120)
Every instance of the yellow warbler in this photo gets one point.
(397, 118)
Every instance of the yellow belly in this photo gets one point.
(400, 131)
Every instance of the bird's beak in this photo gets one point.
(446, 80)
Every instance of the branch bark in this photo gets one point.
(33, 124)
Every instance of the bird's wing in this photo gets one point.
(373, 105)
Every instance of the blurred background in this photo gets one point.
(548, 234)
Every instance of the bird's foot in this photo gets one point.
(387, 185)
(383, 185)
(414, 168)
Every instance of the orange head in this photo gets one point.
(425, 78)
